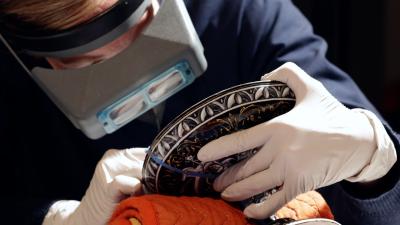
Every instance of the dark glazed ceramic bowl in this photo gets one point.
(171, 166)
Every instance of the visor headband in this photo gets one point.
(82, 38)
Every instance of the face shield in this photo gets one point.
(100, 98)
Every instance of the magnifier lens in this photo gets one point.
(131, 107)
(163, 87)
(146, 96)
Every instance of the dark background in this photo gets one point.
(364, 40)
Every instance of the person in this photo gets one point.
(334, 140)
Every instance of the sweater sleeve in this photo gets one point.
(24, 196)
(279, 34)
(20, 206)
(377, 206)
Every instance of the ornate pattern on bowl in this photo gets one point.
(171, 166)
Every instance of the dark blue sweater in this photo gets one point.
(47, 159)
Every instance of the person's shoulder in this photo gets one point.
(195, 4)
(231, 10)
(225, 13)
(231, 5)
(220, 7)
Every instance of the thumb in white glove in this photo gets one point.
(318, 143)
(117, 175)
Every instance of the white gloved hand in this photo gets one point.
(116, 176)
(318, 143)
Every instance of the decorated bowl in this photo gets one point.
(171, 165)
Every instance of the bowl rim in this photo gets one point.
(204, 102)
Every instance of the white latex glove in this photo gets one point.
(318, 143)
(117, 176)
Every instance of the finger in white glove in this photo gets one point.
(117, 175)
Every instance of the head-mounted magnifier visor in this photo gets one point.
(101, 98)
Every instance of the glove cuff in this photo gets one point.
(60, 212)
(384, 156)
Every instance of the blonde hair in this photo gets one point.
(49, 14)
